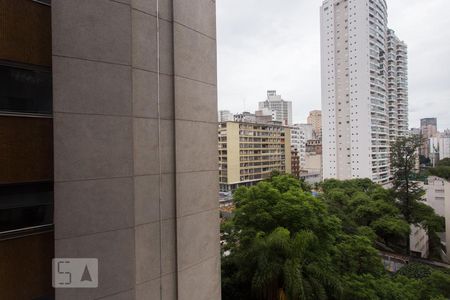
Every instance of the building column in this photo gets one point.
(135, 142)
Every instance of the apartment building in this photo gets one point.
(300, 134)
(438, 197)
(397, 73)
(282, 108)
(419, 241)
(249, 152)
(108, 147)
(439, 147)
(315, 119)
(295, 163)
(355, 85)
(428, 129)
(225, 116)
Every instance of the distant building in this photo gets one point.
(266, 115)
(428, 129)
(245, 117)
(414, 131)
(438, 197)
(444, 146)
(315, 119)
(295, 162)
(313, 157)
(364, 89)
(397, 86)
(300, 134)
(282, 108)
(249, 152)
(419, 241)
(225, 116)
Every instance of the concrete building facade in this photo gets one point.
(438, 197)
(249, 152)
(397, 73)
(225, 116)
(355, 103)
(428, 129)
(282, 108)
(300, 134)
(315, 119)
(134, 147)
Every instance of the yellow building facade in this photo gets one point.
(249, 152)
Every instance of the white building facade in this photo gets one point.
(300, 134)
(225, 116)
(438, 197)
(355, 82)
(282, 108)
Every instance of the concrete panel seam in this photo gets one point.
(197, 121)
(199, 263)
(91, 60)
(216, 209)
(197, 171)
(93, 179)
(117, 293)
(207, 83)
(119, 2)
(94, 233)
(192, 29)
(149, 14)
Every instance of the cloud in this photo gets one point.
(275, 44)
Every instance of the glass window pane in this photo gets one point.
(25, 205)
(25, 91)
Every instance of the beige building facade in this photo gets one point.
(249, 152)
(315, 118)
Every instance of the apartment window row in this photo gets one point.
(26, 146)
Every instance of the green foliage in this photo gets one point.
(283, 243)
(444, 162)
(415, 271)
(435, 283)
(441, 171)
(368, 287)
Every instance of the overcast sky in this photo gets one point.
(275, 44)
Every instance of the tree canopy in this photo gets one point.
(284, 243)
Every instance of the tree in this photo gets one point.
(280, 243)
(407, 192)
(284, 244)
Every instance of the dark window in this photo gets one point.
(25, 205)
(25, 90)
(46, 2)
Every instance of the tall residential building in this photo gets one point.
(282, 108)
(428, 129)
(315, 119)
(355, 84)
(108, 147)
(225, 116)
(249, 152)
(397, 73)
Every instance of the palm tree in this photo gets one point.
(291, 268)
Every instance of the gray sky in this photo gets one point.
(275, 44)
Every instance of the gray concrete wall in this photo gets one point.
(136, 187)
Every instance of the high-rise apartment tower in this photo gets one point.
(282, 108)
(355, 85)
